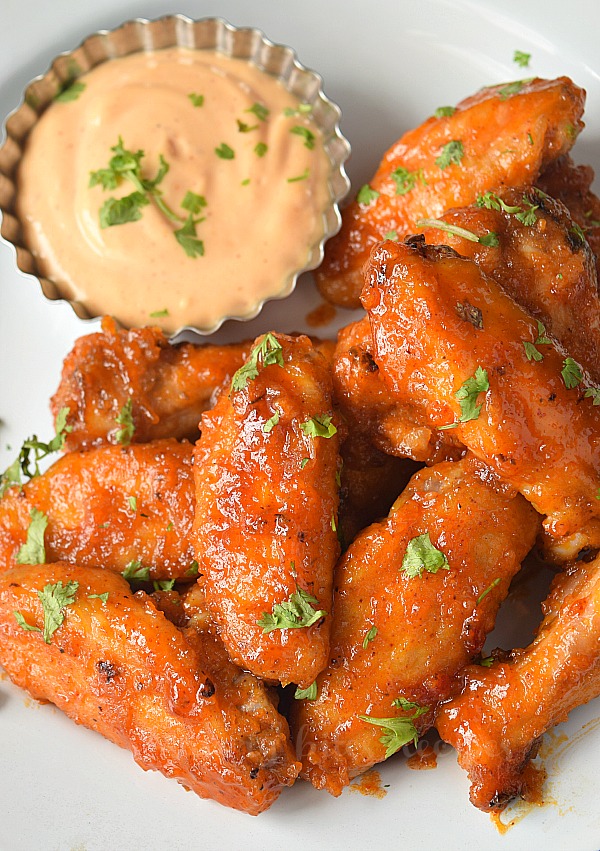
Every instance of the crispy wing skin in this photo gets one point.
(497, 721)
(372, 411)
(534, 431)
(508, 136)
(109, 507)
(571, 184)
(122, 669)
(170, 386)
(546, 267)
(427, 627)
(266, 512)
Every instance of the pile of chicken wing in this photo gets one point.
(204, 576)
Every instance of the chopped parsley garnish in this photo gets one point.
(158, 314)
(135, 571)
(225, 152)
(398, 731)
(127, 165)
(577, 232)
(124, 418)
(531, 352)
(271, 423)
(71, 93)
(102, 597)
(304, 462)
(193, 203)
(295, 613)
(27, 462)
(542, 339)
(489, 239)
(261, 149)
(406, 180)
(163, 584)
(571, 373)
(486, 661)
(467, 395)
(369, 637)
(54, 599)
(246, 128)
(267, 352)
(192, 570)
(366, 195)
(303, 176)
(197, 100)
(392, 235)
(302, 109)
(187, 237)
(452, 154)
(309, 693)
(260, 110)
(521, 58)
(512, 88)
(524, 213)
(33, 550)
(444, 111)
(132, 502)
(422, 555)
(593, 393)
(491, 587)
(319, 427)
(306, 134)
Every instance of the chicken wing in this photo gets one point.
(79, 638)
(266, 515)
(168, 387)
(539, 257)
(115, 506)
(571, 184)
(502, 136)
(510, 395)
(399, 638)
(496, 723)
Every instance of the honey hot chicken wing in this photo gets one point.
(79, 637)
(129, 508)
(266, 496)
(415, 596)
(496, 723)
(492, 376)
(502, 136)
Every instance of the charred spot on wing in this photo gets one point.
(207, 689)
(107, 669)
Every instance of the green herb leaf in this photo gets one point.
(303, 176)
(406, 180)
(55, 599)
(193, 569)
(304, 462)
(302, 109)
(27, 462)
(309, 693)
(512, 88)
(452, 154)
(320, 426)
(486, 661)
(306, 134)
(489, 239)
(577, 232)
(467, 397)
(261, 149)
(186, 236)
(33, 550)
(532, 353)
(193, 203)
(422, 555)
(491, 587)
(102, 597)
(260, 110)
(542, 339)
(23, 623)
(295, 613)
(157, 314)
(197, 100)
(246, 128)
(366, 195)
(268, 351)
(120, 211)
(398, 731)
(593, 393)
(225, 152)
(132, 501)
(71, 93)
(125, 434)
(521, 58)
(135, 571)
(270, 423)
(444, 111)
(369, 637)
(392, 235)
(571, 373)
(163, 584)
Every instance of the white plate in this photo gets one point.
(388, 65)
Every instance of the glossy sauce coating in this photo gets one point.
(536, 434)
(122, 669)
(263, 209)
(169, 386)
(265, 517)
(508, 137)
(428, 626)
(546, 267)
(109, 507)
(496, 723)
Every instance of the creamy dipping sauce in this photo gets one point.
(230, 134)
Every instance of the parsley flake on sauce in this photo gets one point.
(369, 637)
(467, 396)
(124, 418)
(309, 693)
(260, 110)
(422, 555)
(452, 153)
(489, 239)
(33, 550)
(405, 180)
(295, 613)
(70, 93)
(225, 152)
(267, 352)
(197, 100)
(366, 195)
(306, 134)
(271, 423)
(571, 373)
(490, 587)
(398, 731)
(135, 571)
(27, 462)
(54, 599)
(319, 427)
(444, 111)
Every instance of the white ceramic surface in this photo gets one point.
(388, 64)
